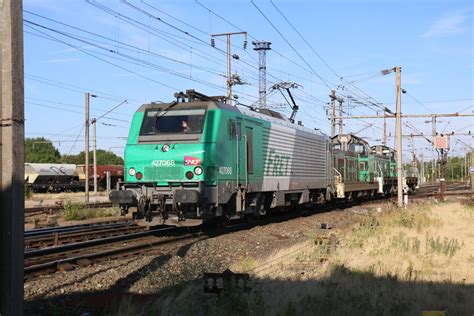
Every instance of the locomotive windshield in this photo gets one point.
(175, 121)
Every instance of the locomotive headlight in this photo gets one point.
(165, 147)
(198, 171)
(132, 171)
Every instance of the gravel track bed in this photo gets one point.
(172, 264)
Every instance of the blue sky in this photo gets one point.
(140, 52)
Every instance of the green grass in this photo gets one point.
(74, 211)
(368, 227)
(444, 246)
(28, 194)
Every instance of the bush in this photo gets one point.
(72, 211)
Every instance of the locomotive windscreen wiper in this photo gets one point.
(163, 112)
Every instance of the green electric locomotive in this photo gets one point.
(362, 171)
(198, 158)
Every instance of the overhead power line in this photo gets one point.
(289, 44)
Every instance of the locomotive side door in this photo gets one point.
(240, 145)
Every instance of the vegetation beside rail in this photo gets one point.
(74, 211)
(393, 262)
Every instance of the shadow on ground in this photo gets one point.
(343, 292)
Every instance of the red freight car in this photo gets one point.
(116, 174)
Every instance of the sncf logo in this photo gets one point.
(192, 161)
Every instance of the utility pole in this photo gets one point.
(442, 174)
(94, 144)
(12, 198)
(86, 150)
(466, 169)
(384, 128)
(341, 112)
(422, 164)
(261, 47)
(433, 134)
(471, 156)
(333, 112)
(230, 82)
(398, 130)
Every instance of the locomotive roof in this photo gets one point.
(349, 138)
(382, 150)
(263, 114)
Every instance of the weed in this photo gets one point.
(28, 194)
(72, 211)
(246, 264)
(366, 229)
(411, 274)
(406, 220)
(106, 212)
(235, 301)
(405, 243)
(445, 246)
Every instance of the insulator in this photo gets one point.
(213, 42)
(245, 44)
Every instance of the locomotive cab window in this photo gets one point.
(231, 129)
(175, 121)
(249, 150)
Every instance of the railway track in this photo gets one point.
(82, 245)
(51, 208)
(83, 253)
(452, 189)
(57, 236)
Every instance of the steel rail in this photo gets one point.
(83, 244)
(54, 264)
(73, 228)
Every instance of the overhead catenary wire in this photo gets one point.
(114, 12)
(291, 46)
(71, 111)
(73, 105)
(88, 52)
(126, 46)
(147, 28)
(323, 60)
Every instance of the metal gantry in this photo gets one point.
(262, 47)
(230, 80)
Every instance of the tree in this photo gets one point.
(103, 158)
(41, 150)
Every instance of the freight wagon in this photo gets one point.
(42, 177)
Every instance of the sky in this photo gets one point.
(143, 51)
